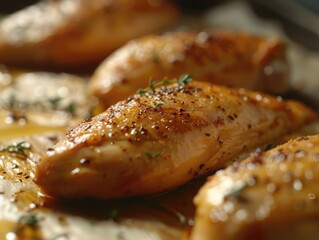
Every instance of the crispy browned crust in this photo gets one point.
(229, 59)
(71, 33)
(161, 139)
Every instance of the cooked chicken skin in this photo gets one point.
(229, 59)
(163, 137)
(69, 33)
(270, 195)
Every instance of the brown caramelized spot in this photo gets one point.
(219, 122)
(219, 140)
(256, 157)
(231, 117)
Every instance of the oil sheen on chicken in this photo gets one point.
(229, 59)
(163, 137)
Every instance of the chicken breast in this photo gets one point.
(270, 195)
(229, 59)
(71, 33)
(163, 137)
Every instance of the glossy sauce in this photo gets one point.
(167, 216)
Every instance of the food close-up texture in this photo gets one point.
(158, 120)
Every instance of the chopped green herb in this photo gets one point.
(19, 148)
(182, 81)
(166, 81)
(156, 105)
(152, 84)
(141, 91)
(28, 220)
(70, 107)
(55, 101)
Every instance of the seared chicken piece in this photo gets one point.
(229, 59)
(270, 195)
(162, 137)
(69, 33)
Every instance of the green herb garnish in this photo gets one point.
(182, 81)
(19, 148)
(70, 107)
(141, 91)
(55, 101)
(157, 104)
(152, 84)
(27, 220)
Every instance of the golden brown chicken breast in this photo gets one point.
(229, 59)
(69, 33)
(162, 137)
(270, 195)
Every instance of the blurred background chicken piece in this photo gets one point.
(65, 34)
(223, 58)
(271, 195)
